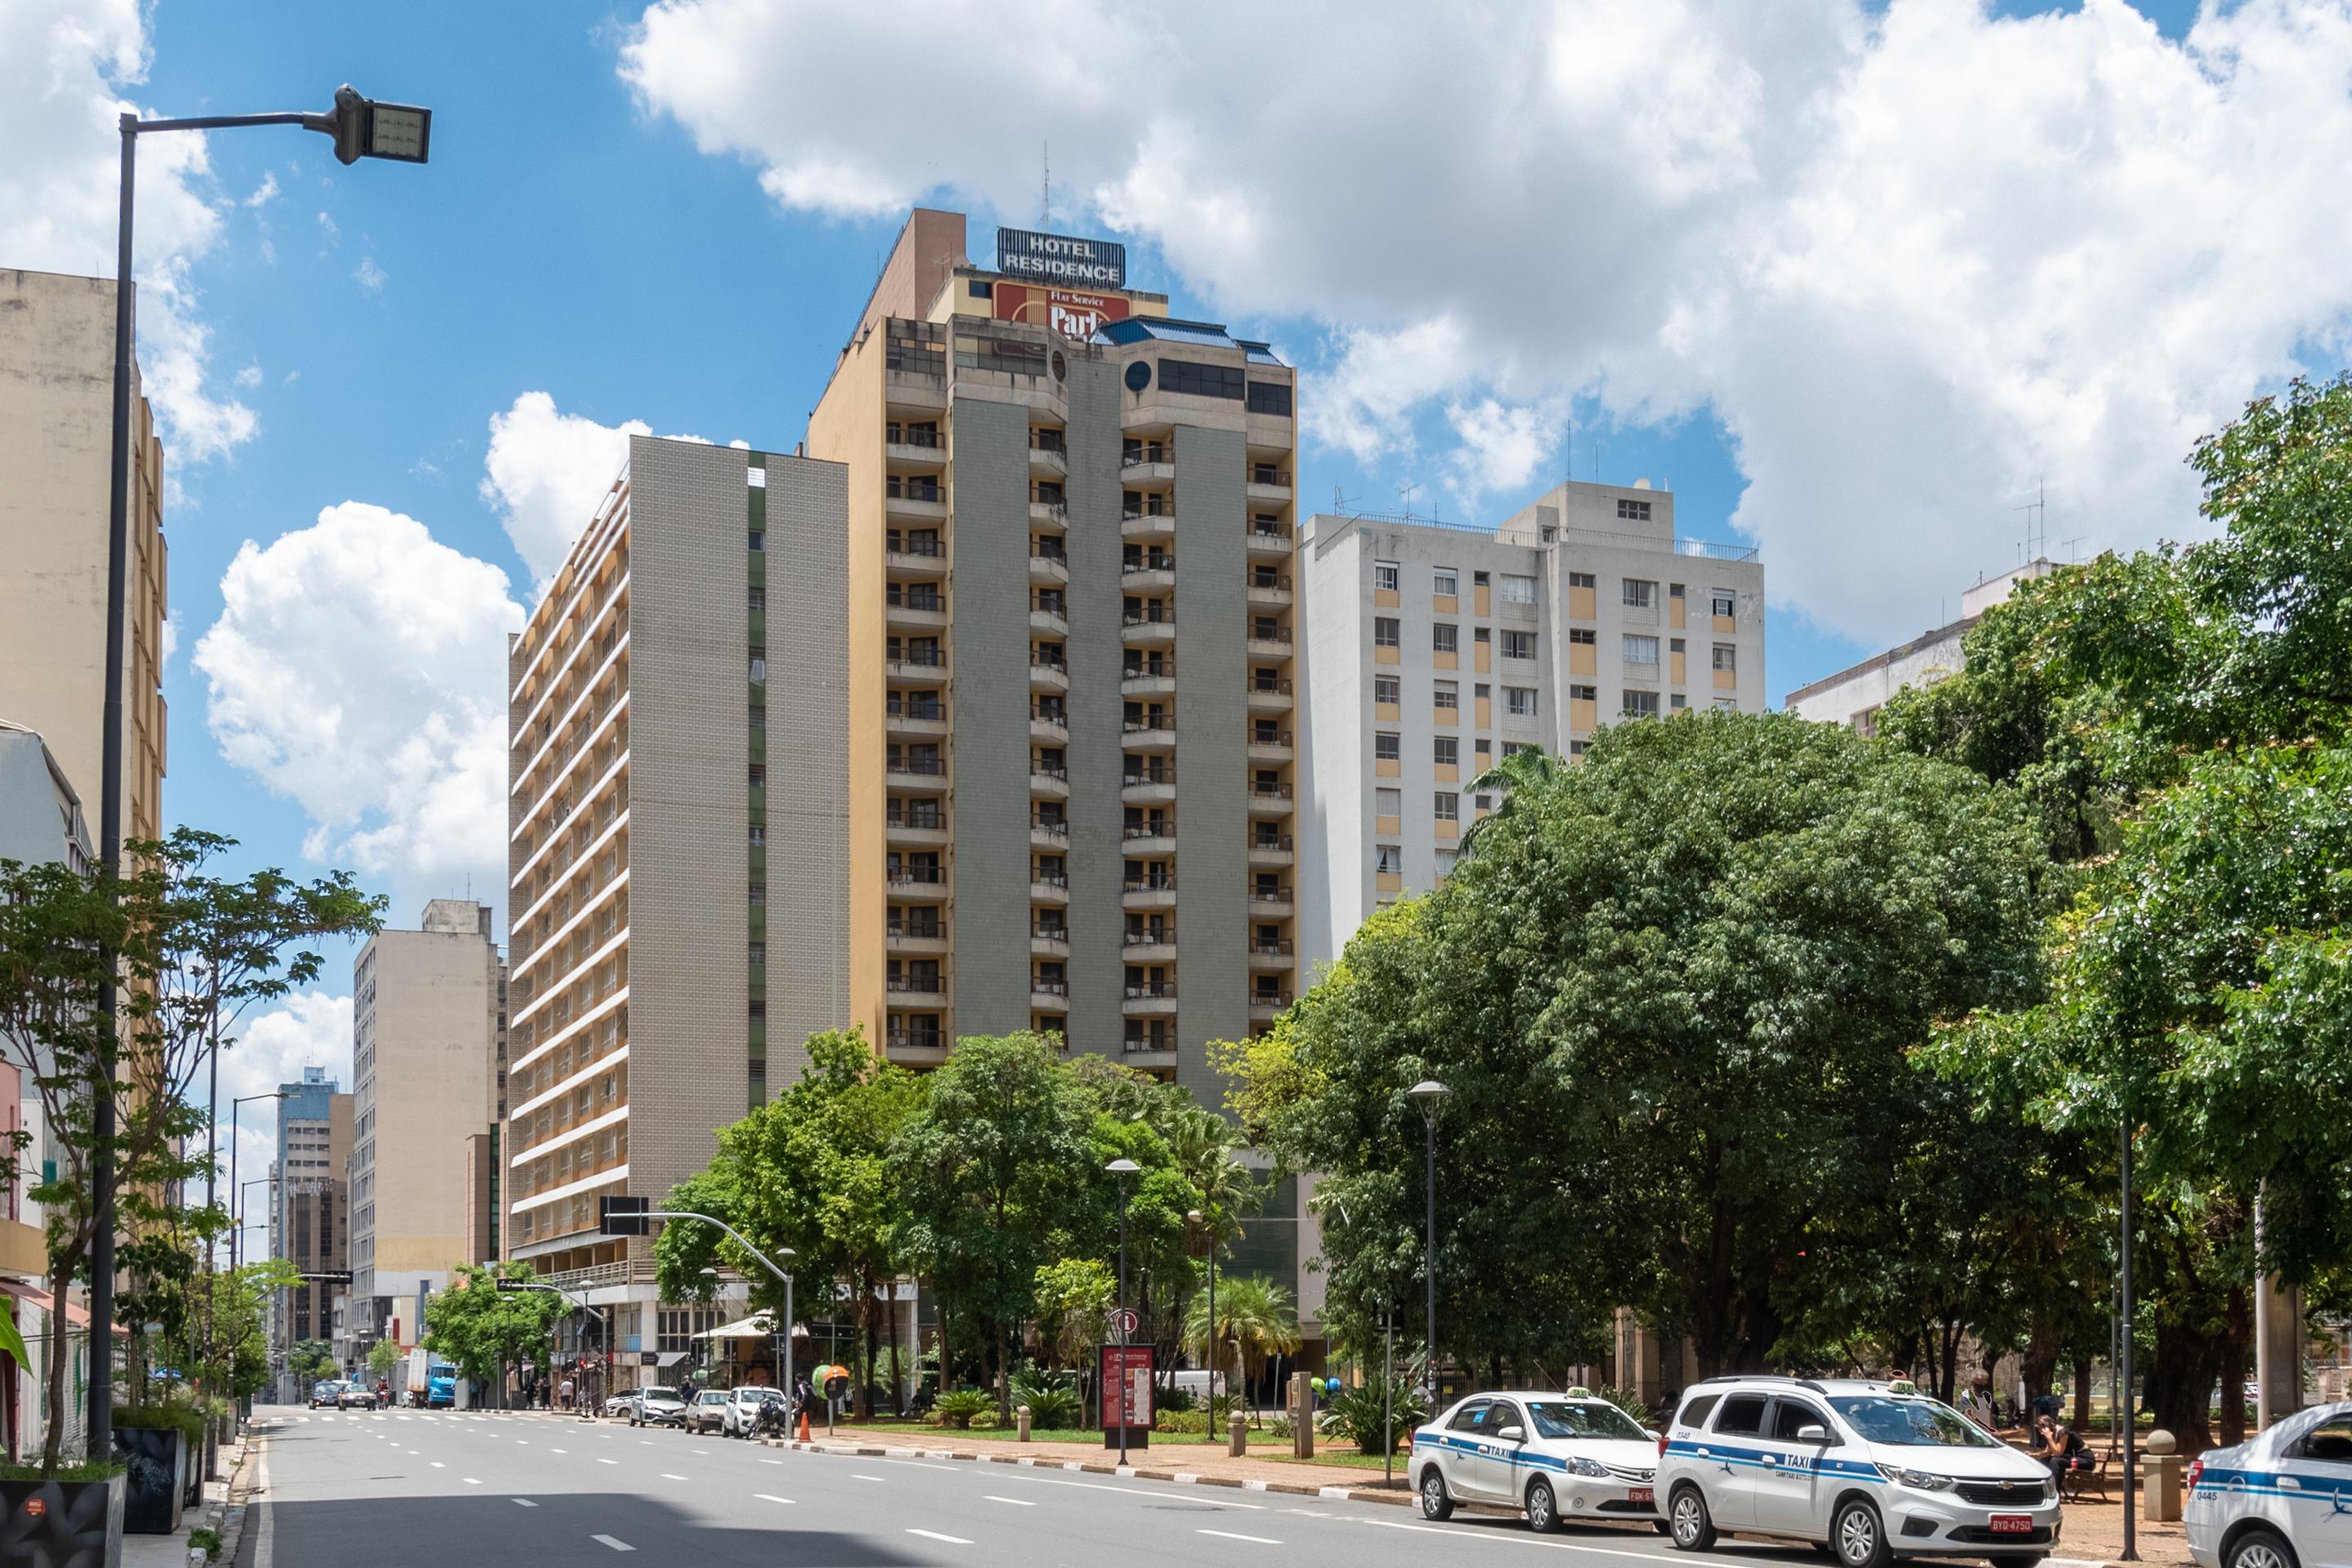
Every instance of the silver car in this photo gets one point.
(743, 1407)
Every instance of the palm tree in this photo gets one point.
(1255, 1319)
(1528, 768)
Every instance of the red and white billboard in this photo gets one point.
(1073, 314)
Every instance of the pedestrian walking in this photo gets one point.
(565, 1391)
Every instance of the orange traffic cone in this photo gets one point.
(803, 1432)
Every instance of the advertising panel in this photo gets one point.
(1074, 314)
(1126, 1385)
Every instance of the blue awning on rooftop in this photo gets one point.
(1163, 329)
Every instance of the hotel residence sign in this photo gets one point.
(1061, 259)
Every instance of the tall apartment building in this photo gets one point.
(1853, 695)
(657, 852)
(57, 425)
(428, 1013)
(1434, 650)
(1072, 754)
(309, 1226)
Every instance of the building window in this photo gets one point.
(759, 541)
(1483, 636)
(758, 950)
(1584, 694)
(1445, 636)
(1388, 801)
(759, 895)
(1197, 379)
(1446, 805)
(1518, 645)
(1634, 510)
(759, 666)
(1445, 582)
(1640, 704)
(1519, 701)
(1640, 649)
(1448, 695)
(758, 776)
(1513, 748)
(1270, 397)
(1384, 631)
(1384, 748)
(1678, 701)
(1385, 689)
(1445, 862)
(1445, 751)
(1639, 594)
(1518, 589)
(759, 833)
(1385, 574)
(758, 599)
(1579, 580)
(1674, 590)
(1388, 860)
(1576, 747)
(1726, 603)
(1550, 533)
(1674, 645)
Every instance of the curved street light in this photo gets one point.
(1123, 1168)
(1429, 1094)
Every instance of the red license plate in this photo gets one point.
(2010, 1523)
(1642, 1494)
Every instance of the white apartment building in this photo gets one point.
(1433, 650)
(1852, 696)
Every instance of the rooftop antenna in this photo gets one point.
(2073, 558)
(2037, 527)
(1405, 495)
(1600, 450)
(1046, 186)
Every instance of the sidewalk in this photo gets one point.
(224, 1510)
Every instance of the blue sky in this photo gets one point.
(1853, 279)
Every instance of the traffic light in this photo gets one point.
(625, 1216)
(363, 128)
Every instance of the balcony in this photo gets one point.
(1271, 855)
(1049, 615)
(1269, 588)
(917, 558)
(1270, 746)
(914, 504)
(1155, 628)
(1050, 514)
(1146, 681)
(1046, 676)
(1151, 574)
(1053, 837)
(1269, 903)
(1147, 525)
(1152, 945)
(1273, 697)
(918, 943)
(1047, 461)
(1049, 571)
(1154, 464)
(922, 722)
(922, 883)
(928, 832)
(1268, 483)
(1269, 800)
(1149, 787)
(1053, 783)
(1147, 894)
(1265, 1005)
(1156, 733)
(916, 991)
(900, 1045)
(1049, 942)
(1272, 644)
(1151, 1053)
(1049, 727)
(907, 612)
(1049, 890)
(1150, 1001)
(1267, 956)
(925, 774)
(913, 451)
(1148, 838)
(1269, 543)
(929, 669)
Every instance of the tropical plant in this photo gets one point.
(1631, 1402)
(1052, 1396)
(959, 1408)
(1255, 1319)
(1357, 1413)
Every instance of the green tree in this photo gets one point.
(1256, 1320)
(1674, 993)
(310, 1361)
(482, 1329)
(382, 1357)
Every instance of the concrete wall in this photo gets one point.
(1212, 874)
(1096, 651)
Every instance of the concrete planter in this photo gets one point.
(62, 1524)
(156, 1460)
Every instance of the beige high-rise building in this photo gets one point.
(57, 431)
(310, 1223)
(1434, 650)
(428, 1010)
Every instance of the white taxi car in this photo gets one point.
(1555, 1455)
(2283, 1499)
(1870, 1470)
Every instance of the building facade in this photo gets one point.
(1434, 650)
(57, 425)
(1072, 750)
(428, 1011)
(1852, 696)
(309, 1224)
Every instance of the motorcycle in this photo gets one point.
(775, 1419)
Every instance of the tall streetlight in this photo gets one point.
(1123, 1168)
(236, 1192)
(362, 129)
(1209, 1340)
(784, 1255)
(1428, 1093)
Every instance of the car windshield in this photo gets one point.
(661, 1394)
(1581, 1418)
(1909, 1422)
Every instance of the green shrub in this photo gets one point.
(84, 1471)
(1179, 1399)
(207, 1542)
(1180, 1420)
(1052, 1396)
(185, 1419)
(1630, 1402)
(957, 1409)
(1353, 1414)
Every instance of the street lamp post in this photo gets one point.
(362, 129)
(1122, 1169)
(1209, 1339)
(785, 1339)
(1428, 1093)
(236, 1192)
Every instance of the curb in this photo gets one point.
(1398, 1498)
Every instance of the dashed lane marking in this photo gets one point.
(615, 1545)
(522, 1502)
(935, 1535)
(1229, 1535)
(1016, 1502)
(765, 1496)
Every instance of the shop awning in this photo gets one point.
(76, 1316)
(758, 1326)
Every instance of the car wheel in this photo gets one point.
(2258, 1549)
(1858, 1536)
(1434, 1503)
(1688, 1523)
(1543, 1509)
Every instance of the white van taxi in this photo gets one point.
(2283, 1499)
(1869, 1470)
(1557, 1456)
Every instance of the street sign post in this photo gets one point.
(1124, 1321)
(624, 1215)
(1126, 1385)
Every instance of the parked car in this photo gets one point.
(707, 1412)
(656, 1407)
(741, 1413)
(356, 1397)
(324, 1394)
(1556, 1456)
(2283, 1499)
(1868, 1471)
(618, 1403)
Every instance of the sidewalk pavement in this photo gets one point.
(224, 1510)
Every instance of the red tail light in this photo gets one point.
(1662, 1443)
(2196, 1469)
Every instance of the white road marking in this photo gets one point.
(439, 1466)
(1138, 1492)
(522, 1502)
(559, 1450)
(918, 1464)
(764, 1497)
(704, 1452)
(865, 1477)
(615, 1545)
(667, 1476)
(472, 1483)
(1016, 1502)
(1229, 1535)
(935, 1535)
(608, 1461)
(771, 1461)
(1521, 1537)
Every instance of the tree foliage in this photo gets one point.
(482, 1329)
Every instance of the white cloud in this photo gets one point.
(1913, 257)
(328, 227)
(370, 275)
(306, 1029)
(356, 669)
(265, 193)
(546, 470)
(170, 640)
(59, 78)
(249, 376)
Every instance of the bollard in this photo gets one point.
(1302, 1415)
(1021, 1423)
(2161, 1474)
(1237, 1434)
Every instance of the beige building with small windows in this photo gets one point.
(1434, 650)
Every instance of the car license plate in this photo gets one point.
(2012, 1523)
(1643, 1495)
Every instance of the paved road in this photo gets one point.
(444, 1489)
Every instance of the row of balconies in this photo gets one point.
(1146, 1001)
